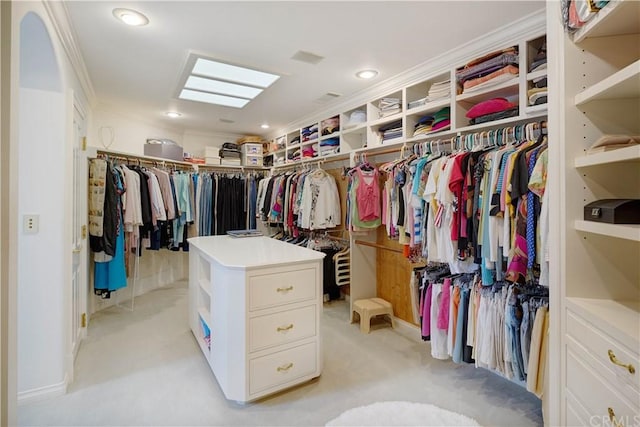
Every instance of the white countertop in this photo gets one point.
(252, 252)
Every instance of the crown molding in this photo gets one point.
(59, 16)
(529, 26)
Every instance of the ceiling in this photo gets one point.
(137, 70)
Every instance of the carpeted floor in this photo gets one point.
(145, 368)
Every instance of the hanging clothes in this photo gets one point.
(109, 272)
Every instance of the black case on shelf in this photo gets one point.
(613, 211)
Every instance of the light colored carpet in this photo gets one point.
(401, 414)
(145, 369)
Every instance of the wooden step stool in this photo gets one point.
(368, 308)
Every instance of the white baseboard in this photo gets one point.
(42, 393)
(407, 329)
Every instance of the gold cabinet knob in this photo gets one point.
(615, 361)
(287, 289)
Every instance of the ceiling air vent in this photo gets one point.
(329, 96)
(308, 57)
(227, 121)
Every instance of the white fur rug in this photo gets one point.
(400, 414)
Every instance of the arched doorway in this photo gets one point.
(43, 263)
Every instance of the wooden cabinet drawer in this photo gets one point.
(282, 367)
(282, 327)
(596, 394)
(576, 414)
(272, 289)
(598, 345)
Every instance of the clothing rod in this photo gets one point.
(159, 161)
(436, 140)
(379, 246)
(141, 158)
(311, 161)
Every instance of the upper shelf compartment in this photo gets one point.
(617, 17)
(622, 84)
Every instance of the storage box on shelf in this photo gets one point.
(598, 94)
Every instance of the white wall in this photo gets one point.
(114, 130)
(118, 131)
(41, 320)
(195, 142)
(41, 161)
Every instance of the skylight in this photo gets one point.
(223, 84)
(212, 98)
(231, 73)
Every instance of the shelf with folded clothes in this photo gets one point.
(430, 106)
(310, 132)
(328, 150)
(616, 17)
(536, 59)
(329, 143)
(354, 118)
(437, 88)
(536, 75)
(385, 107)
(330, 126)
(384, 132)
(434, 119)
(293, 138)
(488, 71)
(536, 109)
(275, 152)
(498, 104)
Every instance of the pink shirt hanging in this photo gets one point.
(368, 195)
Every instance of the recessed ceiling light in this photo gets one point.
(130, 17)
(264, 126)
(173, 114)
(366, 74)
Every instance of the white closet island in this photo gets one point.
(254, 308)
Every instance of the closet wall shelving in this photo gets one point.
(365, 136)
(598, 93)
